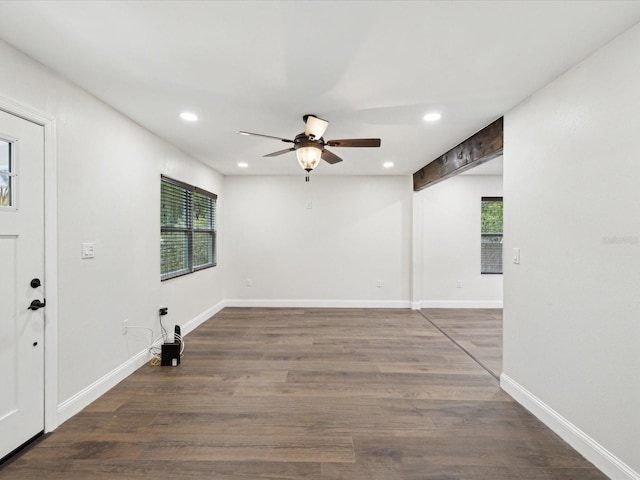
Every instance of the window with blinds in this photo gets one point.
(187, 228)
(491, 235)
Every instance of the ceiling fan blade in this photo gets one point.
(315, 126)
(279, 152)
(266, 136)
(355, 142)
(329, 157)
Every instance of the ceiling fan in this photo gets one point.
(310, 146)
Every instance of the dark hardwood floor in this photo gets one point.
(477, 330)
(307, 394)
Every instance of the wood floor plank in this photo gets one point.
(167, 470)
(362, 471)
(455, 450)
(311, 394)
(201, 446)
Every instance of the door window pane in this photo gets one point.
(5, 170)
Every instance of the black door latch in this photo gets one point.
(36, 304)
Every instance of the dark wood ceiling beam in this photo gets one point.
(481, 147)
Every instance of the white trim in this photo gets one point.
(288, 303)
(461, 304)
(198, 320)
(417, 246)
(51, 275)
(604, 460)
(50, 253)
(86, 396)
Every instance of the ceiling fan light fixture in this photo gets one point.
(308, 157)
(309, 145)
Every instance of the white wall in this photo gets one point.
(450, 243)
(572, 307)
(108, 193)
(358, 232)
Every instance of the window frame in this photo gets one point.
(493, 234)
(189, 191)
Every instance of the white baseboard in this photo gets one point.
(198, 320)
(83, 398)
(283, 303)
(461, 304)
(604, 460)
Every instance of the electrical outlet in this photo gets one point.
(125, 324)
(379, 284)
(249, 283)
(459, 284)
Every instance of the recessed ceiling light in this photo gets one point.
(432, 117)
(387, 164)
(188, 116)
(243, 164)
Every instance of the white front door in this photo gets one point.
(21, 269)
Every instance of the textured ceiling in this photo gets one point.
(373, 69)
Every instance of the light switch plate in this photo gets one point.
(516, 255)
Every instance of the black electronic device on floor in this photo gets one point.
(170, 354)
